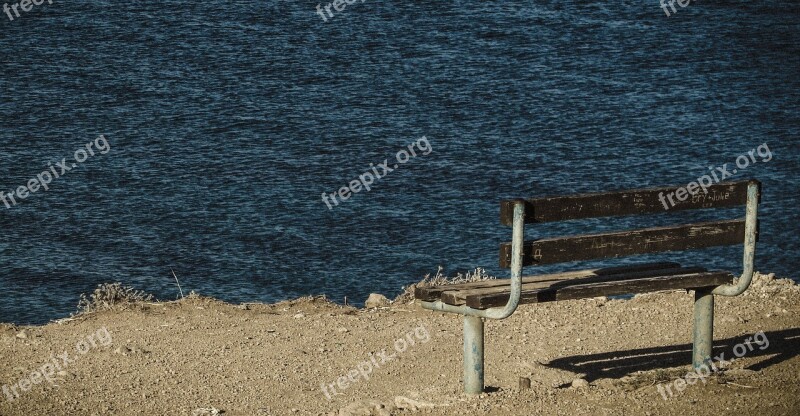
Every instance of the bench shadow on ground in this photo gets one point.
(783, 345)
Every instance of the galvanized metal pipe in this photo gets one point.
(473, 355)
(751, 230)
(473, 318)
(703, 333)
(517, 240)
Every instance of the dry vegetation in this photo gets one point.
(110, 295)
(440, 279)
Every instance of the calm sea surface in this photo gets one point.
(227, 120)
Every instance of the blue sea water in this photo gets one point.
(227, 120)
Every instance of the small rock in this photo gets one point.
(580, 383)
(299, 315)
(404, 403)
(343, 329)
(126, 350)
(207, 411)
(524, 383)
(376, 300)
(22, 335)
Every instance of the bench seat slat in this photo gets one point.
(607, 288)
(433, 293)
(459, 297)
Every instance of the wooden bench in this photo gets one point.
(498, 299)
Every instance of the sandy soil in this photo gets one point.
(596, 356)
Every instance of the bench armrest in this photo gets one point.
(751, 232)
(517, 240)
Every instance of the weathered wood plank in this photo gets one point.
(626, 243)
(433, 293)
(459, 297)
(630, 202)
(611, 288)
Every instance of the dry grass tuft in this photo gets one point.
(109, 295)
(439, 279)
(477, 275)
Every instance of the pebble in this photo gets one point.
(580, 383)
(376, 300)
(405, 403)
(207, 411)
(126, 350)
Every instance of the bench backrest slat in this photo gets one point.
(617, 244)
(631, 202)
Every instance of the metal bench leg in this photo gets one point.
(473, 355)
(703, 328)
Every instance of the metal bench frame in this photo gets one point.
(703, 299)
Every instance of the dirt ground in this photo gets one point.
(199, 356)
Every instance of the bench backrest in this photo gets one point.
(629, 202)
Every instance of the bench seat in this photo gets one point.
(640, 278)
